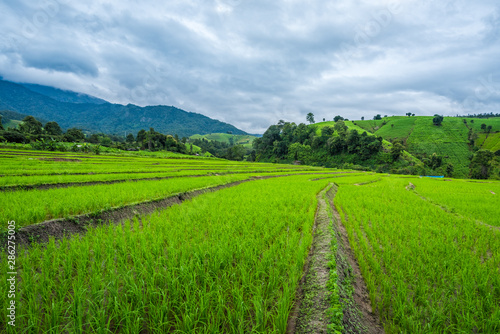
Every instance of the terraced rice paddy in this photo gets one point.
(210, 246)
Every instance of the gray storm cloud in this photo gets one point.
(251, 63)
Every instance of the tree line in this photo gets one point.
(50, 136)
(287, 142)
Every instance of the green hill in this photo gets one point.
(244, 140)
(107, 117)
(451, 140)
(489, 141)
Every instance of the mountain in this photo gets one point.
(106, 117)
(63, 95)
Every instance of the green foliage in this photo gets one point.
(454, 140)
(327, 131)
(97, 149)
(14, 136)
(429, 264)
(244, 140)
(52, 128)
(310, 118)
(480, 166)
(437, 120)
(130, 138)
(300, 152)
(31, 126)
(197, 267)
(396, 150)
(74, 135)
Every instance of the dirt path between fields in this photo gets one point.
(310, 312)
(66, 227)
(368, 182)
(93, 183)
(359, 316)
(83, 184)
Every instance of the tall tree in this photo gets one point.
(130, 138)
(52, 128)
(1, 125)
(74, 135)
(31, 125)
(310, 118)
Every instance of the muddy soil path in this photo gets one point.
(310, 312)
(85, 184)
(359, 316)
(67, 227)
(46, 186)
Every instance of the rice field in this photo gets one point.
(233, 260)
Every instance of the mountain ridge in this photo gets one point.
(108, 117)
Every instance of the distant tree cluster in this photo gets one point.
(288, 141)
(230, 151)
(481, 164)
(47, 136)
(486, 128)
(485, 115)
(30, 129)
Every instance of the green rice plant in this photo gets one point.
(224, 262)
(33, 206)
(475, 200)
(427, 270)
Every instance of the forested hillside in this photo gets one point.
(107, 117)
(333, 144)
(457, 147)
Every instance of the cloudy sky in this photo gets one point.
(254, 62)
